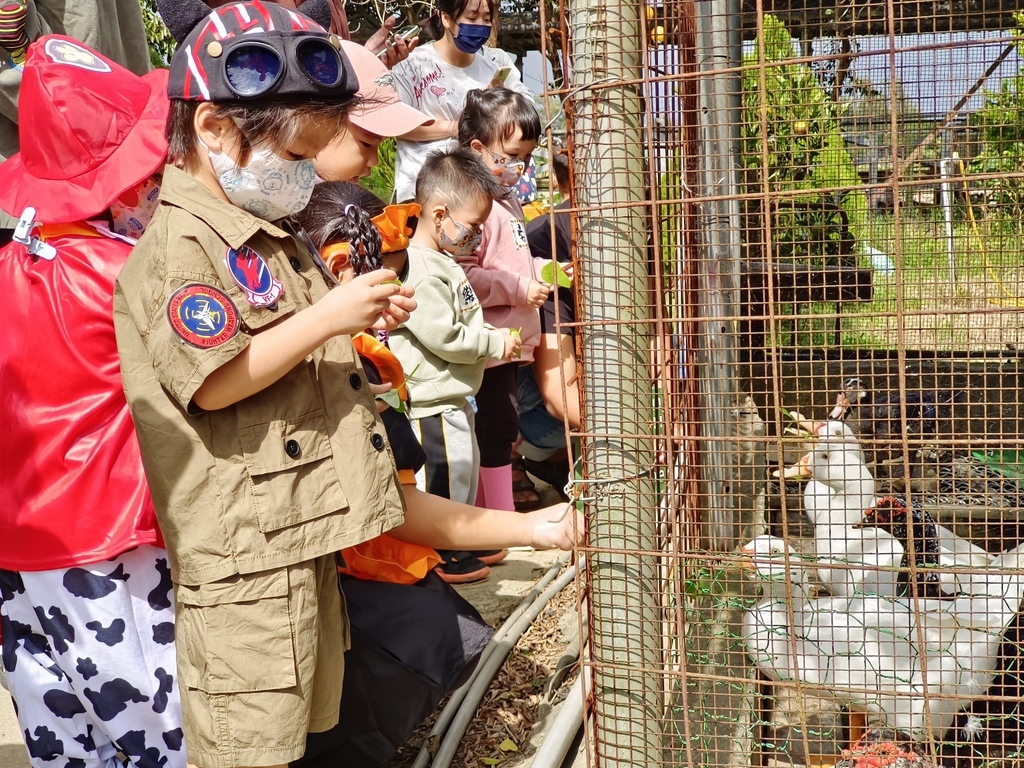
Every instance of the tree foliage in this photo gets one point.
(161, 44)
(1002, 124)
(802, 151)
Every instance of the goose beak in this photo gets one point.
(804, 424)
(746, 561)
(842, 406)
(801, 469)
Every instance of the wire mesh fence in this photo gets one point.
(798, 240)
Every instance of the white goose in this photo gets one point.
(913, 662)
(854, 560)
(846, 490)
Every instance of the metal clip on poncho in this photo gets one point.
(23, 234)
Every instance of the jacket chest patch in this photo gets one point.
(519, 233)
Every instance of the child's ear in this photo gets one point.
(217, 133)
(477, 146)
(436, 213)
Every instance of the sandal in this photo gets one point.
(524, 493)
(490, 556)
(461, 567)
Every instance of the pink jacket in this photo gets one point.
(500, 272)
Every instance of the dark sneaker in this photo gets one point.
(490, 556)
(461, 567)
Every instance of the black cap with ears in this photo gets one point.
(181, 16)
(253, 50)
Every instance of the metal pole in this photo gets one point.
(718, 48)
(947, 215)
(721, 703)
(615, 294)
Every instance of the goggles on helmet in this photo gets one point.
(256, 68)
(256, 50)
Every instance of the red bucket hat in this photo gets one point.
(89, 130)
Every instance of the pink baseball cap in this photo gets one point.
(382, 112)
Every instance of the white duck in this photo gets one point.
(846, 490)
(854, 560)
(914, 662)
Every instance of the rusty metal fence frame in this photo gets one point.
(674, 450)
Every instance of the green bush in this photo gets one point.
(802, 152)
(1002, 124)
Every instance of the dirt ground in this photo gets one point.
(12, 748)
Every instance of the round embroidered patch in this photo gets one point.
(202, 315)
(253, 275)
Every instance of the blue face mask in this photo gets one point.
(471, 37)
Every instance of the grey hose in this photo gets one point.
(568, 721)
(451, 708)
(489, 667)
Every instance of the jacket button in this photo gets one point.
(355, 381)
(292, 448)
(296, 264)
(377, 442)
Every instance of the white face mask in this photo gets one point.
(269, 186)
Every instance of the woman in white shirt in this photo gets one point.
(436, 78)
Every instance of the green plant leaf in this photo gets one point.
(1008, 463)
(508, 746)
(392, 399)
(552, 273)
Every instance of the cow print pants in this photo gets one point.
(89, 656)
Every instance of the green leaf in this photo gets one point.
(508, 746)
(552, 273)
(490, 760)
(392, 399)
(1008, 463)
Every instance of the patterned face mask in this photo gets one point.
(506, 170)
(134, 209)
(466, 240)
(269, 186)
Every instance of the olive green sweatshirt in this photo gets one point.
(446, 344)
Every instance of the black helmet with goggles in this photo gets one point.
(256, 50)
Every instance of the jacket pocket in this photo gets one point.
(291, 471)
(235, 636)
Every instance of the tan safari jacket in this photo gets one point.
(299, 470)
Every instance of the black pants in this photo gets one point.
(497, 415)
(411, 646)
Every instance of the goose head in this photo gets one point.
(830, 432)
(840, 467)
(771, 560)
(834, 431)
